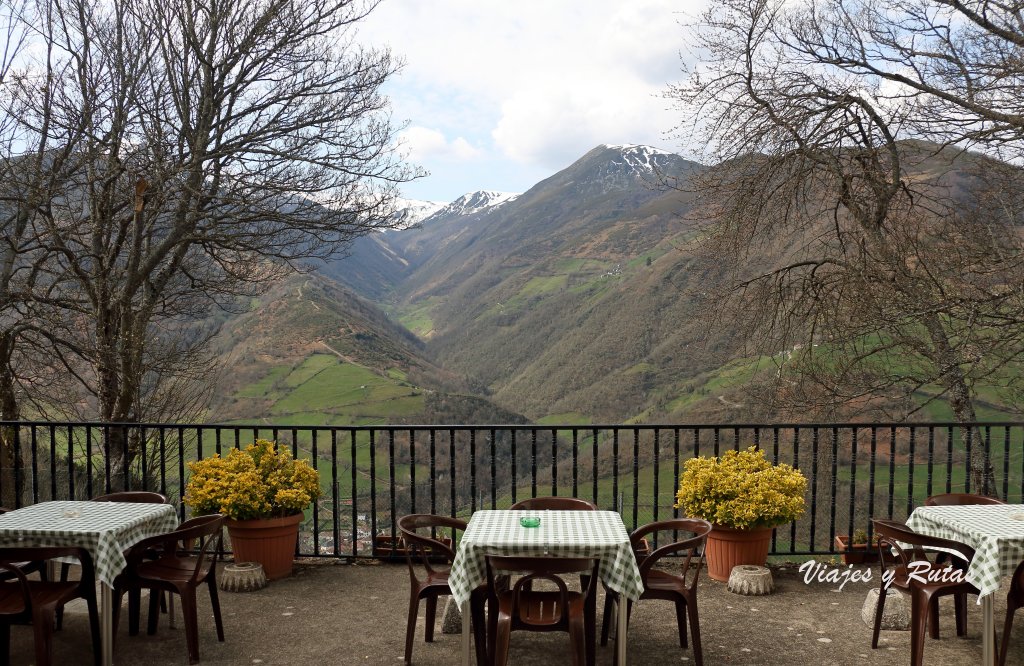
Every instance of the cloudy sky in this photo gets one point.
(499, 95)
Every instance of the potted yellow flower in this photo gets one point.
(744, 497)
(262, 491)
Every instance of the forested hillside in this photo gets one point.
(585, 299)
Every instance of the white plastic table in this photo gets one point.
(593, 534)
(105, 529)
(996, 533)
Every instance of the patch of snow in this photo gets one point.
(642, 159)
(637, 148)
(413, 211)
(628, 162)
(476, 202)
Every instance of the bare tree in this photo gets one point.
(29, 287)
(211, 145)
(895, 263)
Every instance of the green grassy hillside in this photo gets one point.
(311, 352)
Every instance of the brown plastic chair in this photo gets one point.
(960, 499)
(924, 595)
(1014, 600)
(187, 559)
(422, 553)
(131, 496)
(522, 608)
(37, 601)
(553, 504)
(659, 584)
(27, 568)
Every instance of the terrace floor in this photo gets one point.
(334, 613)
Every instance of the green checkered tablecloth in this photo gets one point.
(597, 534)
(994, 531)
(105, 529)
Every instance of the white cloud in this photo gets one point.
(543, 82)
(499, 95)
(424, 144)
(553, 124)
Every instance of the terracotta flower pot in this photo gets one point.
(271, 542)
(862, 553)
(384, 548)
(856, 553)
(728, 547)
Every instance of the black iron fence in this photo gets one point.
(372, 474)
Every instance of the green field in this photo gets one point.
(417, 317)
(308, 369)
(537, 286)
(265, 386)
(324, 389)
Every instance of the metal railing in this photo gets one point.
(372, 474)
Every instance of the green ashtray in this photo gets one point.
(529, 522)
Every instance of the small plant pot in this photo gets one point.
(393, 550)
(858, 553)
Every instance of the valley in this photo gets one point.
(580, 300)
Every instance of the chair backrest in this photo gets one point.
(692, 546)
(134, 496)
(553, 504)
(427, 548)
(202, 535)
(893, 536)
(960, 499)
(540, 568)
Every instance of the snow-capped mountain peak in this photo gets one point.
(476, 202)
(642, 159)
(413, 211)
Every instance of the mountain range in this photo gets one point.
(574, 301)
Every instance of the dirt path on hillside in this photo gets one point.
(346, 358)
(299, 290)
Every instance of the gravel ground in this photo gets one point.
(333, 613)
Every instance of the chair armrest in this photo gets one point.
(19, 575)
(167, 543)
(691, 545)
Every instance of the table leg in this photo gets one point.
(466, 651)
(620, 629)
(988, 656)
(107, 623)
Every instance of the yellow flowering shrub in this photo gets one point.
(261, 481)
(742, 490)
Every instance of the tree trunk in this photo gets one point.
(953, 379)
(109, 389)
(9, 411)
